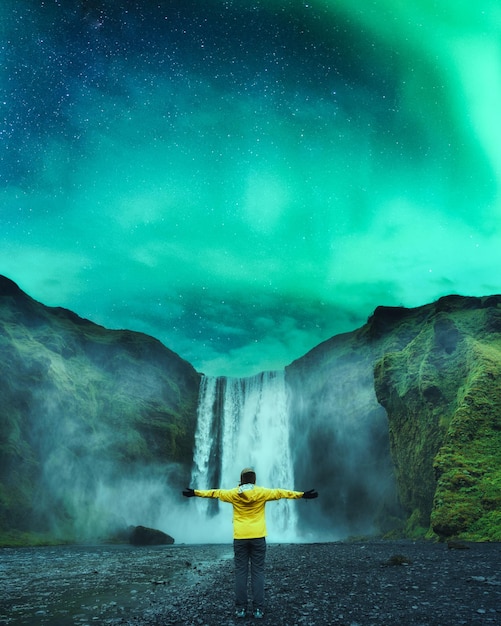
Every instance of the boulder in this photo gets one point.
(142, 536)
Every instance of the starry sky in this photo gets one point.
(245, 179)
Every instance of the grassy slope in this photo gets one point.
(81, 402)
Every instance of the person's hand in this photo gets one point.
(309, 495)
(188, 492)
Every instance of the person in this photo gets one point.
(249, 533)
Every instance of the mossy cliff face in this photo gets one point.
(398, 422)
(340, 436)
(83, 409)
(442, 392)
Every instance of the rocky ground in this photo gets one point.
(375, 583)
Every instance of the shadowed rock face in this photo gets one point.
(340, 441)
(82, 407)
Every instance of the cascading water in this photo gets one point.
(244, 422)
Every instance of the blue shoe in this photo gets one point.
(240, 613)
(258, 614)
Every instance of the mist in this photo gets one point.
(295, 438)
(87, 489)
(340, 445)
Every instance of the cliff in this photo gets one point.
(442, 392)
(83, 408)
(398, 423)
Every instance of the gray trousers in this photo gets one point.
(253, 552)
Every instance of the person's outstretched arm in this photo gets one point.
(222, 494)
(278, 494)
(228, 494)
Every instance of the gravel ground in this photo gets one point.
(374, 583)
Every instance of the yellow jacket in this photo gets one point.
(248, 506)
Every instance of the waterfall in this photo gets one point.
(244, 422)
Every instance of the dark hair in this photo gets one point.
(248, 475)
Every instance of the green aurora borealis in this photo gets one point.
(243, 180)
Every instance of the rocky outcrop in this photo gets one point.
(82, 410)
(398, 423)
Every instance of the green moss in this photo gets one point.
(468, 495)
(18, 539)
(416, 527)
(486, 528)
(468, 466)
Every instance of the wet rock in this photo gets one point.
(143, 536)
(398, 559)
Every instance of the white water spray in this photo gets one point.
(243, 422)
